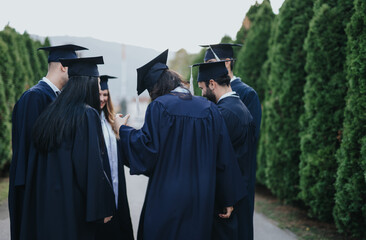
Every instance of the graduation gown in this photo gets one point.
(251, 100)
(120, 227)
(26, 111)
(241, 128)
(67, 192)
(184, 149)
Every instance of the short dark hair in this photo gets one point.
(222, 81)
(168, 81)
(232, 65)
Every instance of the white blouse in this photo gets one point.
(111, 144)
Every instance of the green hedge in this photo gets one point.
(253, 54)
(21, 67)
(284, 104)
(325, 90)
(350, 198)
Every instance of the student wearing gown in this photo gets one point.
(215, 85)
(224, 51)
(184, 149)
(120, 226)
(26, 111)
(67, 192)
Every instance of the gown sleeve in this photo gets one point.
(228, 174)
(24, 116)
(141, 147)
(88, 169)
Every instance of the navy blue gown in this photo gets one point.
(26, 111)
(251, 100)
(241, 130)
(67, 193)
(184, 149)
(120, 227)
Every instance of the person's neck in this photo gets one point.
(231, 74)
(221, 91)
(56, 80)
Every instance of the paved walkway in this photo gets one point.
(264, 229)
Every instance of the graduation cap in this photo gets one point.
(82, 66)
(62, 51)
(211, 70)
(104, 81)
(220, 51)
(150, 73)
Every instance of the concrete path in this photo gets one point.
(264, 229)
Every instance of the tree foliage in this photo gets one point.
(324, 94)
(284, 103)
(350, 198)
(253, 54)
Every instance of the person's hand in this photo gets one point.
(119, 121)
(227, 212)
(107, 219)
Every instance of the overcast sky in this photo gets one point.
(157, 24)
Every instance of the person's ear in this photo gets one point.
(212, 84)
(63, 69)
(227, 63)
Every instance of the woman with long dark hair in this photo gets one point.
(120, 227)
(69, 191)
(185, 150)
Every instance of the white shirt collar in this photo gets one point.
(102, 116)
(233, 78)
(53, 86)
(180, 90)
(228, 94)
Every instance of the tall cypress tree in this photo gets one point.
(9, 36)
(43, 56)
(254, 52)
(325, 90)
(7, 72)
(25, 60)
(34, 60)
(5, 133)
(264, 79)
(350, 198)
(249, 18)
(285, 104)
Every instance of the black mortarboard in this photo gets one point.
(62, 51)
(83, 66)
(222, 50)
(104, 81)
(150, 73)
(211, 70)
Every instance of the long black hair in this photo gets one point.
(61, 118)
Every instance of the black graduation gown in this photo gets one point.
(241, 128)
(184, 149)
(66, 190)
(120, 227)
(26, 111)
(251, 100)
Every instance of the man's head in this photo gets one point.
(223, 52)
(56, 72)
(213, 79)
(214, 88)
